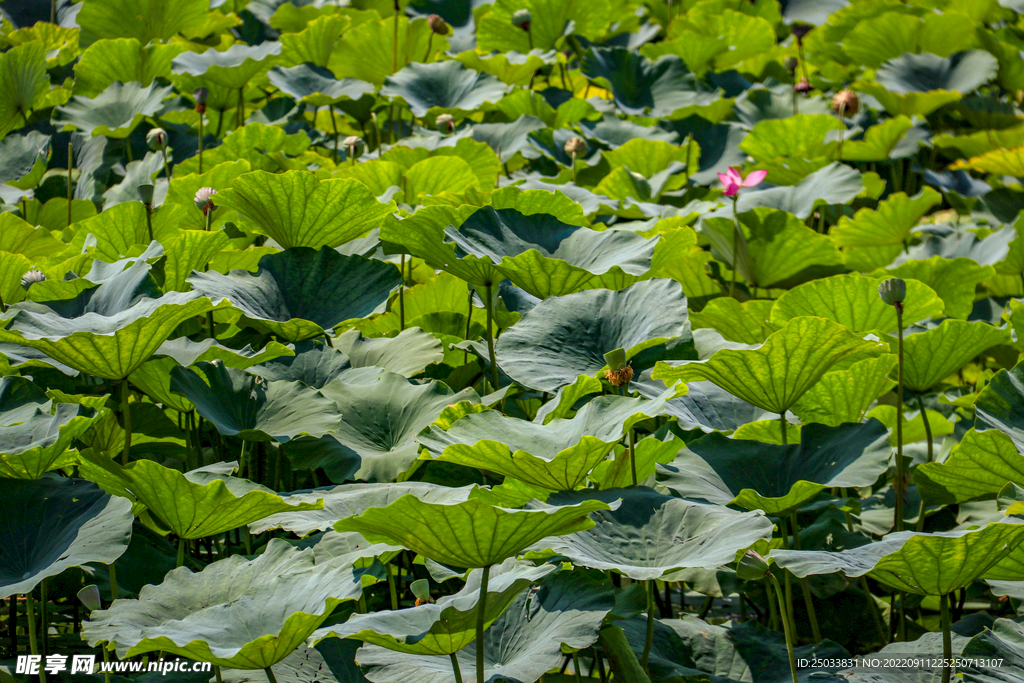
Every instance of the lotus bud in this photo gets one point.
(157, 139)
(200, 95)
(752, 567)
(438, 25)
(521, 19)
(799, 31)
(204, 199)
(803, 86)
(576, 147)
(846, 103)
(145, 194)
(353, 146)
(892, 291)
(445, 122)
(31, 277)
(421, 589)
(90, 597)
(791, 64)
(619, 372)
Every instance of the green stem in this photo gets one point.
(241, 107)
(33, 645)
(786, 630)
(149, 220)
(469, 322)
(71, 168)
(576, 666)
(927, 426)
(782, 426)
(649, 640)
(201, 148)
(392, 589)
(947, 638)
(216, 670)
(334, 124)
(270, 675)
(882, 633)
(44, 618)
(181, 552)
(786, 606)
(430, 44)
(898, 522)
(773, 611)
(126, 413)
(490, 336)
(481, 614)
(401, 295)
(394, 44)
(735, 242)
(573, 168)
(632, 454)
(112, 574)
(805, 586)
(455, 667)
(167, 171)
(621, 658)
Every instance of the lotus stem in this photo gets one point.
(216, 670)
(394, 43)
(489, 305)
(898, 522)
(334, 124)
(786, 605)
(126, 413)
(71, 168)
(401, 295)
(241, 110)
(649, 640)
(621, 658)
(33, 645)
(786, 629)
(842, 129)
(112, 575)
(430, 44)
(106, 660)
(270, 675)
(773, 611)
(874, 610)
(576, 666)
(782, 427)
(149, 220)
(632, 454)
(947, 638)
(200, 143)
(469, 322)
(181, 552)
(805, 585)
(927, 426)
(53, 11)
(167, 171)
(392, 589)
(573, 168)
(12, 619)
(481, 614)
(44, 618)
(455, 667)
(735, 242)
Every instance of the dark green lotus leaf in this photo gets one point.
(547, 257)
(35, 432)
(349, 500)
(651, 534)
(557, 455)
(643, 87)
(467, 534)
(522, 645)
(108, 331)
(447, 626)
(814, 12)
(444, 85)
(26, 86)
(407, 353)
(186, 352)
(1004, 641)
(1001, 404)
(99, 272)
(23, 159)
(775, 478)
(301, 293)
(373, 433)
(53, 523)
(316, 86)
(297, 210)
(547, 349)
(349, 546)
(113, 113)
(236, 613)
(315, 365)
(232, 68)
(963, 72)
(834, 184)
(933, 355)
(509, 139)
(236, 402)
(979, 466)
(705, 406)
(924, 564)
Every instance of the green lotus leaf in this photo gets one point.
(375, 437)
(678, 257)
(115, 112)
(34, 430)
(910, 104)
(143, 20)
(705, 405)
(924, 564)
(232, 68)
(348, 500)
(444, 627)
(236, 402)
(315, 40)
(954, 280)
(776, 374)
(557, 455)
(545, 351)
(183, 188)
(853, 301)
(979, 466)
(316, 86)
(1003, 640)
(263, 147)
(301, 293)
(314, 364)
(963, 72)
(24, 84)
(890, 225)
(999, 405)
(746, 323)
(649, 451)
(297, 210)
(652, 534)
(933, 355)
(470, 533)
(191, 250)
(12, 268)
(124, 60)
(23, 159)
(879, 140)
(658, 88)
(547, 23)
(522, 645)
(845, 395)
(236, 613)
(779, 478)
(407, 354)
(511, 68)
(119, 231)
(365, 52)
(108, 331)
(549, 258)
(53, 523)
(448, 86)
(435, 176)
(777, 249)
(832, 184)
(715, 40)
(802, 135)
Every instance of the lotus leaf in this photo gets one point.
(115, 112)
(442, 85)
(35, 431)
(934, 355)
(999, 405)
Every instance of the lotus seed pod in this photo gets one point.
(200, 95)
(752, 567)
(521, 19)
(846, 103)
(445, 122)
(157, 139)
(893, 291)
(791, 64)
(438, 25)
(801, 30)
(576, 146)
(90, 597)
(353, 146)
(31, 277)
(145, 193)
(204, 199)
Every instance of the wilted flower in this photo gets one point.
(31, 277)
(200, 95)
(521, 19)
(576, 146)
(752, 567)
(893, 291)
(734, 180)
(619, 372)
(803, 86)
(846, 103)
(791, 63)
(145, 194)
(204, 199)
(90, 597)
(353, 146)
(421, 589)
(157, 139)
(438, 25)
(445, 122)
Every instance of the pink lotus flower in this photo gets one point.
(733, 180)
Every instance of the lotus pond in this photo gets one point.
(529, 340)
